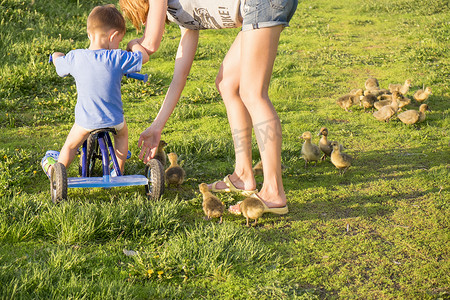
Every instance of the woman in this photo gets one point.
(243, 80)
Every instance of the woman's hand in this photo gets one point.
(132, 43)
(148, 142)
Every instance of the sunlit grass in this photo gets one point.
(380, 231)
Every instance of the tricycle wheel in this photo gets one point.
(92, 154)
(58, 182)
(154, 171)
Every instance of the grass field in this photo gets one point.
(380, 231)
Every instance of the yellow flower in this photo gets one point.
(34, 172)
(5, 157)
(160, 273)
(150, 272)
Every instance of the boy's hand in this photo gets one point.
(56, 55)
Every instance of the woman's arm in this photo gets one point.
(154, 26)
(149, 139)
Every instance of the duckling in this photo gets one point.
(347, 101)
(368, 101)
(386, 112)
(403, 101)
(174, 173)
(342, 161)
(358, 95)
(258, 168)
(412, 116)
(251, 208)
(325, 144)
(160, 153)
(381, 103)
(377, 92)
(422, 95)
(212, 206)
(371, 84)
(401, 88)
(310, 152)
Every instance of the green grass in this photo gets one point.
(380, 231)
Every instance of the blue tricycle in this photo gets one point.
(98, 146)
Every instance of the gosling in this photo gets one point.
(310, 152)
(368, 101)
(347, 101)
(412, 116)
(386, 112)
(402, 89)
(258, 168)
(175, 173)
(325, 144)
(342, 161)
(161, 153)
(371, 84)
(422, 95)
(251, 208)
(212, 206)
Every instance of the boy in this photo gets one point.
(98, 72)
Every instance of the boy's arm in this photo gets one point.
(135, 47)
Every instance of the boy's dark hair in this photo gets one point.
(104, 18)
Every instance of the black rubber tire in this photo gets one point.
(154, 171)
(58, 183)
(93, 153)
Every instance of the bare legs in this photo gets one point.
(78, 135)
(243, 82)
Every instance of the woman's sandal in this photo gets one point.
(231, 188)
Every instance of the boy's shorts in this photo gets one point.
(117, 127)
(267, 13)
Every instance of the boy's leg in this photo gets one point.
(75, 138)
(121, 145)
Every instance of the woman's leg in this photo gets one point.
(227, 83)
(257, 56)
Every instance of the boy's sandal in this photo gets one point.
(230, 188)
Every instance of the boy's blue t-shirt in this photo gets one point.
(98, 74)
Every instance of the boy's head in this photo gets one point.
(135, 10)
(104, 19)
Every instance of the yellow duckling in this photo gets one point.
(376, 93)
(347, 101)
(401, 88)
(368, 101)
(358, 95)
(325, 144)
(342, 161)
(371, 84)
(412, 116)
(251, 208)
(381, 103)
(212, 206)
(160, 153)
(386, 112)
(258, 168)
(174, 173)
(422, 95)
(387, 100)
(310, 152)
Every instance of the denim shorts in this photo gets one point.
(266, 13)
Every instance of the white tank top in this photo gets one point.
(205, 14)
